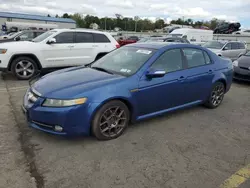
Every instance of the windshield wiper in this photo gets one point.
(102, 69)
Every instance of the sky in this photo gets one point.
(237, 10)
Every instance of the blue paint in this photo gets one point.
(35, 17)
(145, 97)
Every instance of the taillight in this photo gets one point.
(117, 46)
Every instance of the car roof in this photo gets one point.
(159, 45)
(81, 30)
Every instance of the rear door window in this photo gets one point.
(83, 37)
(195, 57)
(235, 46)
(241, 46)
(100, 38)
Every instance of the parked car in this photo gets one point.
(27, 35)
(176, 39)
(227, 28)
(193, 35)
(242, 67)
(132, 83)
(229, 49)
(242, 32)
(55, 49)
(129, 40)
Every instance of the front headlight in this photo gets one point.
(235, 63)
(3, 51)
(63, 103)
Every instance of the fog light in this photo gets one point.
(58, 128)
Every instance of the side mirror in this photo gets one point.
(51, 41)
(155, 73)
(225, 48)
(17, 38)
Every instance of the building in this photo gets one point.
(35, 19)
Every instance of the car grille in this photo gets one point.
(246, 68)
(43, 125)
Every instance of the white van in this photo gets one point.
(197, 36)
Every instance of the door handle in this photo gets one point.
(210, 71)
(94, 45)
(181, 78)
(71, 46)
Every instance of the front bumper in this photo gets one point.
(75, 120)
(241, 74)
(4, 62)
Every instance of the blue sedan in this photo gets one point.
(131, 83)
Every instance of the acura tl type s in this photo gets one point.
(132, 83)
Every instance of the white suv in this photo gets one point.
(54, 49)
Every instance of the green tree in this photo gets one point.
(49, 15)
(80, 22)
(66, 15)
(159, 24)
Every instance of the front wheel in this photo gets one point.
(111, 120)
(24, 68)
(216, 96)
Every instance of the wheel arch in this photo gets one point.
(122, 99)
(32, 56)
(222, 81)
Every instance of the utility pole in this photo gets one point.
(136, 18)
(105, 20)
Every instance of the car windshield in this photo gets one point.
(124, 61)
(143, 40)
(213, 44)
(12, 35)
(248, 53)
(43, 36)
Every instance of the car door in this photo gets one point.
(235, 50)
(198, 75)
(158, 94)
(84, 48)
(226, 50)
(59, 53)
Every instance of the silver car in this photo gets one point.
(229, 49)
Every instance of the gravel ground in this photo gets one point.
(196, 147)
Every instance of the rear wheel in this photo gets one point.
(216, 96)
(111, 120)
(24, 67)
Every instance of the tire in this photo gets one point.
(112, 126)
(216, 95)
(23, 68)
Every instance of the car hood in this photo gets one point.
(244, 61)
(16, 44)
(72, 82)
(215, 50)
